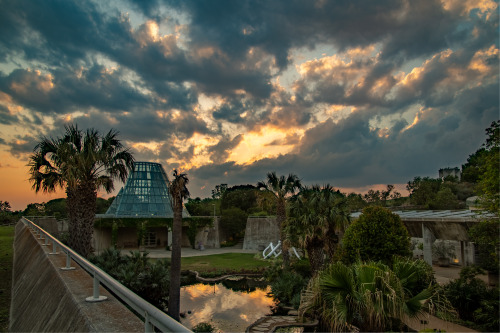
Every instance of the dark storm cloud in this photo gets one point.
(110, 70)
(220, 151)
(64, 90)
(22, 145)
(6, 118)
(408, 29)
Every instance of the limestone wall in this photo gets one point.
(47, 299)
(260, 231)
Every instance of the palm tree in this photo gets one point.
(82, 163)
(369, 297)
(316, 217)
(178, 192)
(281, 188)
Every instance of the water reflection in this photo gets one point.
(228, 310)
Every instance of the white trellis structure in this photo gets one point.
(275, 250)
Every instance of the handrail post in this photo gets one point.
(148, 327)
(68, 262)
(95, 297)
(54, 248)
(46, 241)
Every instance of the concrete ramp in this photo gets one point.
(48, 299)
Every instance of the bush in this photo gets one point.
(473, 300)
(204, 327)
(286, 288)
(149, 280)
(378, 235)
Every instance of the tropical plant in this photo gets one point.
(378, 234)
(281, 188)
(286, 288)
(316, 218)
(367, 297)
(473, 300)
(204, 327)
(81, 163)
(178, 192)
(135, 271)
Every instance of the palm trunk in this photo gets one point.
(315, 253)
(81, 211)
(175, 263)
(281, 219)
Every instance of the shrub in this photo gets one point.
(473, 300)
(204, 327)
(378, 235)
(287, 286)
(149, 280)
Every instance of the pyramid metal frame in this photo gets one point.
(145, 194)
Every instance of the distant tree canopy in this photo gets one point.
(203, 207)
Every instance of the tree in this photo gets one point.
(178, 192)
(316, 217)
(369, 297)
(445, 199)
(378, 234)
(281, 188)
(489, 179)
(423, 190)
(81, 163)
(485, 233)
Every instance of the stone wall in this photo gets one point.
(48, 299)
(260, 231)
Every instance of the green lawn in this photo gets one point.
(224, 264)
(6, 252)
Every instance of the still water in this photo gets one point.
(225, 305)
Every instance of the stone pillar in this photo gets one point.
(428, 240)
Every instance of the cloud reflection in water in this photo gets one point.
(228, 310)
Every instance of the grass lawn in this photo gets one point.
(226, 263)
(6, 253)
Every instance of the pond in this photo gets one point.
(231, 306)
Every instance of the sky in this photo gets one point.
(357, 94)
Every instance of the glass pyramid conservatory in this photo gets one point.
(145, 194)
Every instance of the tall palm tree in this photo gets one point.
(82, 163)
(316, 216)
(178, 192)
(281, 187)
(368, 297)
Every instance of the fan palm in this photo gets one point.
(281, 187)
(368, 297)
(316, 216)
(82, 163)
(178, 192)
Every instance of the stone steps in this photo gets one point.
(271, 323)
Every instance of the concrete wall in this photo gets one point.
(260, 231)
(127, 237)
(47, 299)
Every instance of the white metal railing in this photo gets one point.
(153, 317)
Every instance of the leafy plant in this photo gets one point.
(287, 286)
(473, 300)
(378, 234)
(204, 327)
(369, 296)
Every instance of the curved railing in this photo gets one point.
(153, 317)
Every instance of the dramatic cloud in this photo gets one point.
(349, 93)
